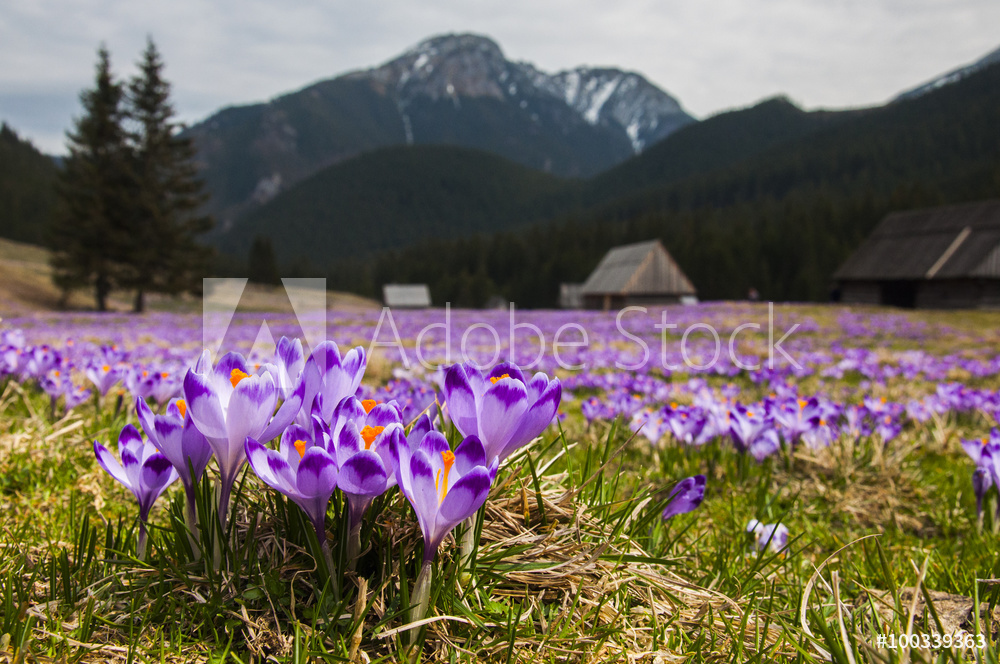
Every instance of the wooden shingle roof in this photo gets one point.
(953, 241)
(642, 268)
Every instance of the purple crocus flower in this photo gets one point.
(444, 487)
(166, 385)
(143, 471)
(502, 408)
(686, 496)
(75, 395)
(103, 376)
(686, 424)
(286, 369)
(302, 470)
(228, 405)
(753, 432)
(773, 536)
(141, 382)
(796, 417)
(330, 378)
(985, 452)
(364, 439)
(650, 424)
(176, 437)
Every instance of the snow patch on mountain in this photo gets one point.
(991, 58)
(467, 65)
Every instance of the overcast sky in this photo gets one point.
(711, 55)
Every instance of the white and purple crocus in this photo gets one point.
(302, 469)
(142, 470)
(178, 439)
(502, 408)
(364, 437)
(228, 405)
(444, 488)
(685, 497)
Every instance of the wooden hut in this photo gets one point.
(943, 257)
(642, 273)
(406, 296)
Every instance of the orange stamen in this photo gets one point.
(236, 376)
(449, 459)
(105, 368)
(369, 434)
(164, 375)
(182, 407)
(368, 404)
(803, 404)
(673, 404)
(300, 447)
(749, 413)
(496, 378)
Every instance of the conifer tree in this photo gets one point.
(89, 234)
(166, 257)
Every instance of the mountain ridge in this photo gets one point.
(456, 89)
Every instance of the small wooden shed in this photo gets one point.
(943, 257)
(642, 273)
(406, 296)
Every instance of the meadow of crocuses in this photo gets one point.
(724, 481)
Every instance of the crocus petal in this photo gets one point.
(286, 414)
(503, 405)
(536, 419)
(203, 406)
(228, 363)
(111, 465)
(157, 474)
(146, 417)
(250, 409)
(273, 470)
(537, 386)
(348, 443)
(466, 496)
(364, 474)
(194, 448)
(469, 454)
(461, 400)
(507, 369)
(686, 496)
(382, 415)
(434, 444)
(317, 475)
(421, 491)
(419, 429)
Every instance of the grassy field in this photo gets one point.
(573, 562)
(26, 287)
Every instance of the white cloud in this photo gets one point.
(711, 55)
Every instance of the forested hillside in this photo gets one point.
(781, 220)
(27, 179)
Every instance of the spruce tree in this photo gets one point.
(166, 257)
(89, 234)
